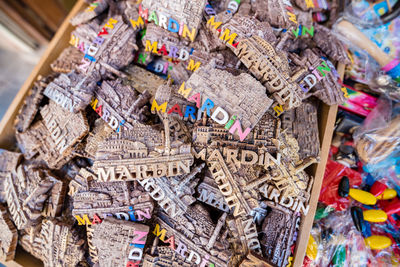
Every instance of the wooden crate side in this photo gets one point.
(56, 46)
(326, 123)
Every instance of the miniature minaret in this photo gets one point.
(189, 177)
(213, 238)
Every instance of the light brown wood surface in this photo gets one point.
(327, 115)
(48, 10)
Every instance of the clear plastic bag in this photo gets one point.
(379, 136)
(374, 45)
(339, 243)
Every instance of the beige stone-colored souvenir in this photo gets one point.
(207, 134)
(92, 11)
(302, 124)
(287, 171)
(241, 96)
(93, 251)
(68, 60)
(278, 227)
(120, 105)
(196, 248)
(279, 13)
(246, 27)
(244, 230)
(175, 194)
(119, 242)
(100, 132)
(163, 255)
(167, 43)
(210, 194)
(8, 163)
(100, 198)
(56, 244)
(143, 80)
(271, 67)
(72, 91)
(31, 104)
(227, 184)
(317, 77)
(54, 137)
(141, 153)
(8, 236)
(185, 12)
(32, 193)
(108, 52)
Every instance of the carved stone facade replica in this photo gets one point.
(54, 137)
(122, 104)
(278, 13)
(68, 60)
(241, 95)
(141, 153)
(183, 11)
(287, 173)
(8, 163)
(100, 132)
(103, 198)
(31, 104)
(143, 80)
(72, 91)
(90, 12)
(208, 134)
(164, 256)
(227, 185)
(246, 27)
(165, 41)
(278, 228)
(271, 68)
(113, 46)
(119, 242)
(32, 193)
(8, 236)
(209, 193)
(244, 230)
(202, 239)
(302, 124)
(56, 244)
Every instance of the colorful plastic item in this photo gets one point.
(339, 259)
(387, 194)
(329, 192)
(358, 102)
(362, 196)
(378, 242)
(393, 69)
(312, 248)
(322, 212)
(375, 216)
(344, 187)
(377, 188)
(393, 207)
